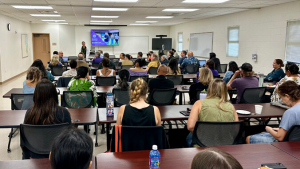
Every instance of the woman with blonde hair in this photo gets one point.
(215, 107)
(204, 78)
(138, 112)
(154, 61)
(54, 61)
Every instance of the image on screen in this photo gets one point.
(105, 37)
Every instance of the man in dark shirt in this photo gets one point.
(213, 57)
(112, 64)
(161, 82)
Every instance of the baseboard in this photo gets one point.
(13, 77)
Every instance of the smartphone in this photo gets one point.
(185, 113)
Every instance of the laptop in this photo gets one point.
(278, 104)
(202, 63)
(65, 59)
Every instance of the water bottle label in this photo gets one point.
(110, 106)
(154, 163)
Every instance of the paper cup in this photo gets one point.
(258, 109)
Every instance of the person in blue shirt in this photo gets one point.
(233, 67)
(277, 74)
(188, 61)
(183, 56)
(97, 58)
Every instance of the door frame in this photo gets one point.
(33, 42)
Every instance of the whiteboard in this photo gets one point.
(201, 44)
(132, 44)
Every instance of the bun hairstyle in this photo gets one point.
(139, 89)
(279, 62)
(292, 67)
(290, 88)
(140, 61)
(34, 74)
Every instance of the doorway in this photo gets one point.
(41, 47)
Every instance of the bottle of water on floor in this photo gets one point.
(110, 104)
(154, 158)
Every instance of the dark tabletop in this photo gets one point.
(292, 148)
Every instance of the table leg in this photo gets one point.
(180, 98)
(96, 144)
(108, 137)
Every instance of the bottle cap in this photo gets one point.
(154, 147)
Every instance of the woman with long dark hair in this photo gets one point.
(233, 67)
(123, 81)
(173, 68)
(45, 74)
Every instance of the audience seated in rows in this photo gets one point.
(246, 81)
(111, 64)
(211, 65)
(164, 60)
(54, 61)
(34, 75)
(154, 61)
(233, 67)
(72, 72)
(215, 107)
(189, 60)
(127, 60)
(81, 62)
(183, 56)
(289, 93)
(45, 73)
(171, 55)
(291, 71)
(122, 57)
(161, 82)
(73, 148)
(97, 58)
(106, 71)
(138, 70)
(123, 80)
(138, 112)
(83, 82)
(173, 68)
(45, 111)
(140, 55)
(61, 55)
(213, 57)
(204, 79)
(277, 72)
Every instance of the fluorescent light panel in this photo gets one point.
(205, 1)
(139, 24)
(180, 10)
(59, 23)
(101, 21)
(31, 7)
(45, 15)
(109, 17)
(54, 20)
(159, 17)
(110, 9)
(145, 21)
(122, 1)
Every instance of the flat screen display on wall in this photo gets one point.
(105, 37)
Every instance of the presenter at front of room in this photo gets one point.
(84, 49)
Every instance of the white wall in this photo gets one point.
(262, 31)
(12, 62)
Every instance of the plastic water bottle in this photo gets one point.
(110, 104)
(154, 158)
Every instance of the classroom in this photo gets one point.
(106, 84)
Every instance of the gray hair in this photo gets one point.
(165, 56)
(97, 54)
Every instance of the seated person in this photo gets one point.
(246, 81)
(173, 68)
(215, 107)
(83, 82)
(127, 61)
(72, 72)
(289, 93)
(175, 54)
(54, 61)
(61, 55)
(111, 64)
(123, 79)
(277, 73)
(190, 60)
(161, 82)
(171, 55)
(154, 61)
(122, 57)
(138, 70)
(45, 73)
(233, 67)
(164, 60)
(183, 56)
(73, 148)
(97, 58)
(81, 62)
(214, 158)
(204, 79)
(138, 112)
(211, 65)
(291, 71)
(45, 111)
(140, 55)
(213, 57)
(105, 71)
(34, 75)
(150, 55)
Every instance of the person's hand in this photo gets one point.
(237, 72)
(268, 129)
(276, 129)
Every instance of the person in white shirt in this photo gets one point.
(72, 72)
(84, 49)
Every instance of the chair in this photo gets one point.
(152, 70)
(21, 101)
(192, 68)
(253, 95)
(38, 139)
(115, 60)
(127, 67)
(77, 99)
(95, 64)
(177, 79)
(293, 134)
(132, 78)
(106, 81)
(217, 76)
(121, 97)
(63, 81)
(57, 70)
(135, 138)
(66, 64)
(72, 58)
(207, 134)
(222, 68)
(112, 56)
(133, 60)
(161, 97)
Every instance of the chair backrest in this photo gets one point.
(177, 79)
(66, 64)
(72, 57)
(217, 76)
(39, 138)
(21, 101)
(77, 99)
(152, 70)
(63, 81)
(135, 138)
(127, 67)
(192, 68)
(132, 78)
(57, 70)
(208, 134)
(95, 64)
(222, 68)
(133, 60)
(121, 97)
(293, 134)
(106, 81)
(161, 97)
(112, 56)
(253, 95)
(115, 60)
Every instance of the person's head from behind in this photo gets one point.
(162, 70)
(212, 55)
(100, 51)
(127, 57)
(73, 148)
(163, 57)
(97, 54)
(73, 64)
(34, 75)
(205, 76)
(171, 53)
(80, 56)
(106, 55)
(105, 63)
(218, 89)
(233, 66)
(214, 158)
(138, 90)
(140, 62)
(140, 54)
(173, 64)
(190, 54)
(289, 93)
(247, 70)
(55, 60)
(124, 76)
(39, 64)
(60, 54)
(55, 53)
(210, 64)
(277, 64)
(291, 69)
(82, 72)
(122, 56)
(183, 53)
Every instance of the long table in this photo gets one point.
(292, 148)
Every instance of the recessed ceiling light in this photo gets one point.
(117, 1)
(179, 10)
(205, 1)
(45, 15)
(58, 23)
(159, 17)
(110, 9)
(101, 21)
(31, 7)
(138, 24)
(145, 21)
(94, 16)
(54, 20)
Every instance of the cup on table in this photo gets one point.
(258, 109)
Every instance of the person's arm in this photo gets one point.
(120, 115)
(236, 117)
(114, 72)
(97, 73)
(232, 79)
(277, 135)
(50, 76)
(278, 74)
(193, 118)
(183, 64)
(157, 116)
